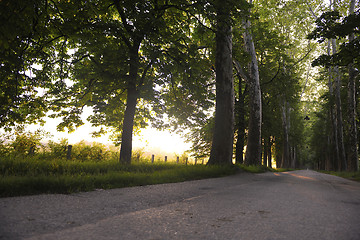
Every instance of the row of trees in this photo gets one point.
(337, 119)
(223, 69)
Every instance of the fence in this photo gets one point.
(69, 151)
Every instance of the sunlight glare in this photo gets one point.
(149, 139)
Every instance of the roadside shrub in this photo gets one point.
(22, 142)
(58, 150)
(4, 147)
(83, 151)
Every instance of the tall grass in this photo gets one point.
(36, 175)
(348, 175)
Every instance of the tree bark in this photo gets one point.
(253, 149)
(222, 144)
(285, 161)
(334, 143)
(339, 121)
(342, 165)
(131, 101)
(353, 161)
(128, 125)
(265, 152)
(240, 125)
(269, 152)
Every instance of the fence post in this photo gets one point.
(68, 154)
(195, 161)
(186, 161)
(165, 158)
(152, 158)
(31, 150)
(99, 155)
(177, 159)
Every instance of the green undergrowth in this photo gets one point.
(30, 176)
(261, 169)
(348, 175)
(254, 168)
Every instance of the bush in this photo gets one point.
(58, 149)
(21, 142)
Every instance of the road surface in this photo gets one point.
(293, 205)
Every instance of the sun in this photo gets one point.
(150, 138)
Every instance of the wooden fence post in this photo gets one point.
(152, 158)
(186, 161)
(68, 154)
(31, 150)
(177, 159)
(165, 158)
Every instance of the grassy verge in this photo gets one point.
(348, 175)
(262, 169)
(35, 176)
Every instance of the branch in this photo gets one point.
(142, 79)
(127, 27)
(273, 78)
(198, 20)
(302, 57)
(241, 72)
(185, 9)
(312, 12)
(307, 78)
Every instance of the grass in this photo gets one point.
(21, 176)
(262, 169)
(28, 176)
(348, 175)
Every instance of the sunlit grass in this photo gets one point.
(348, 175)
(34, 175)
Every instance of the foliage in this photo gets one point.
(201, 138)
(28, 28)
(58, 149)
(22, 142)
(330, 25)
(326, 134)
(65, 55)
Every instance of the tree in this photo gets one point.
(222, 144)
(253, 149)
(329, 27)
(353, 160)
(125, 55)
(25, 29)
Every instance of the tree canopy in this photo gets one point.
(234, 76)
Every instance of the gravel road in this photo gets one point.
(293, 205)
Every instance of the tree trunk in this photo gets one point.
(265, 152)
(278, 154)
(286, 146)
(131, 101)
(353, 161)
(334, 143)
(128, 125)
(340, 131)
(269, 152)
(222, 144)
(329, 154)
(240, 125)
(293, 157)
(253, 149)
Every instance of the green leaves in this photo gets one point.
(332, 26)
